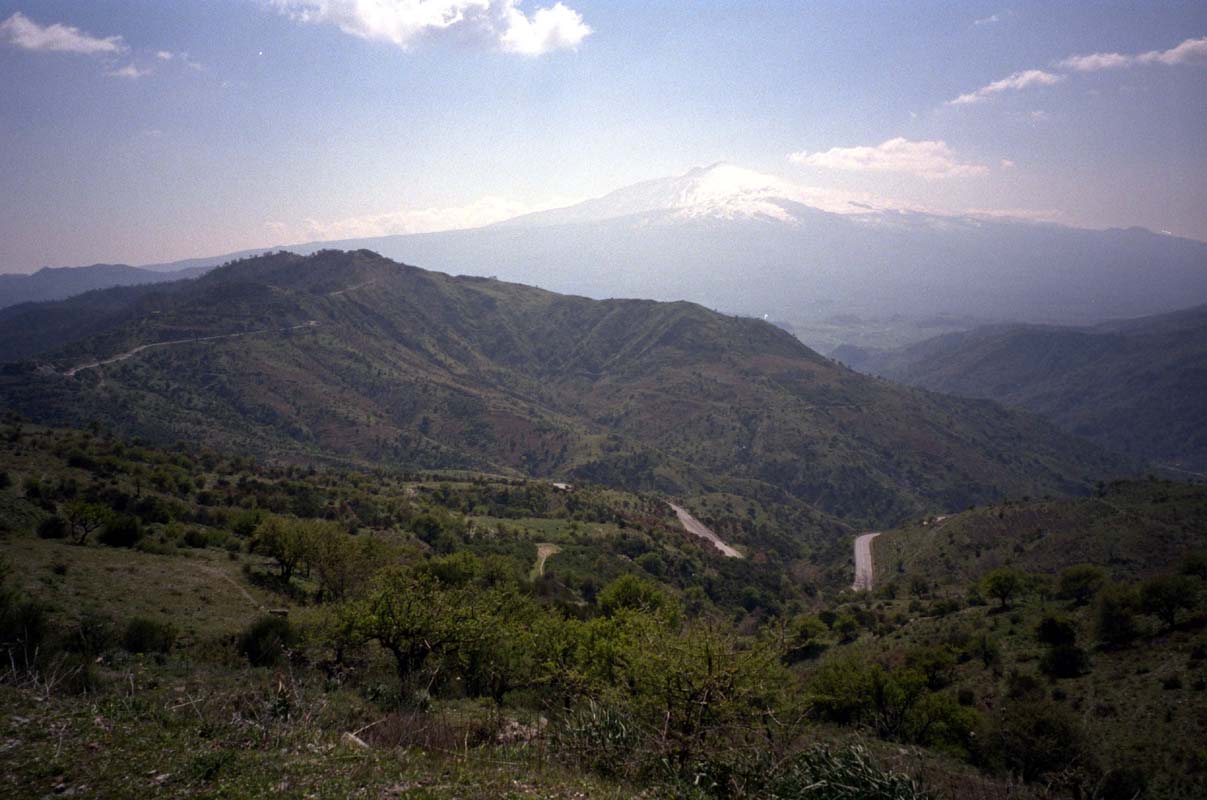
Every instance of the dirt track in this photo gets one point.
(698, 528)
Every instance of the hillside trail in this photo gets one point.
(543, 552)
(698, 528)
(863, 562)
(130, 353)
(362, 285)
(239, 587)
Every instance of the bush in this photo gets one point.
(1056, 632)
(1033, 739)
(265, 641)
(1115, 616)
(122, 531)
(195, 537)
(53, 527)
(144, 635)
(1065, 661)
(91, 636)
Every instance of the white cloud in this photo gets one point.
(165, 55)
(1191, 51)
(929, 159)
(403, 22)
(548, 29)
(1007, 164)
(1019, 80)
(989, 20)
(23, 32)
(485, 211)
(130, 72)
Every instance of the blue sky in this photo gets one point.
(143, 131)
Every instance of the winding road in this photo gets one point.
(129, 353)
(863, 562)
(698, 528)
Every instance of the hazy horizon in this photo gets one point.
(139, 135)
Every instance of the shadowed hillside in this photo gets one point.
(1137, 386)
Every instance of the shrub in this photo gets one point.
(122, 531)
(1115, 616)
(1033, 738)
(1164, 596)
(195, 537)
(846, 773)
(91, 636)
(144, 635)
(1065, 661)
(1056, 632)
(265, 641)
(601, 738)
(53, 527)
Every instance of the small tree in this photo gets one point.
(1002, 583)
(1163, 597)
(285, 539)
(1115, 616)
(413, 617)
(84, 518)
(1081, 582)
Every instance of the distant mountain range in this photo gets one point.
(743, 242)
(1138, 386)
(58, 283)
(353, 357)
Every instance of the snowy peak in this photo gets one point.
(720, 190)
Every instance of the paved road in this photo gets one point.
(123, 356)
(698, 528)
(863, 562)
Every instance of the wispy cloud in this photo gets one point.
(129, 72)
(1191, 51)
(989, 20)
(484, 211)
(403, 22)
(929, 159)
(20, 31)
(1015, 82)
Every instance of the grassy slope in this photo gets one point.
(417, 368)
(1134, 531)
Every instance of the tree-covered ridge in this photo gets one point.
(357, 359)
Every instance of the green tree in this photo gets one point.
(1164, 596)
(414, 618)
(83, 518)
(1081, 582)
(1002, 583)
(286, 539)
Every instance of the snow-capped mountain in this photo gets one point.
(744, 242)
(720, 191)
(741, 241)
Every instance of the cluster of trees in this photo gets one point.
(1116, 605)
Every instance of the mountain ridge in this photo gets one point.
(406, 366)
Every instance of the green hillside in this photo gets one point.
(352, 358)
(192, 622)
(1137, 386)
